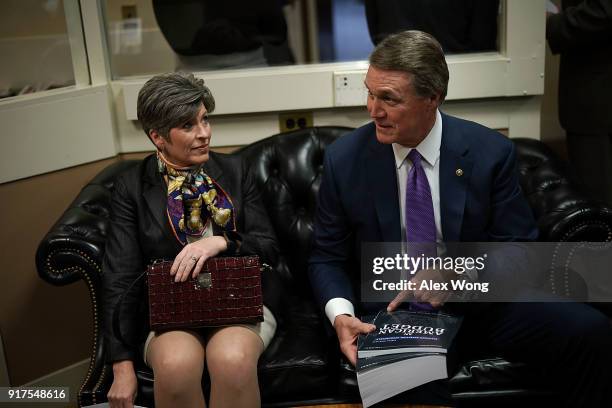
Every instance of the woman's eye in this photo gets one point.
(187, 126)
(205, 119)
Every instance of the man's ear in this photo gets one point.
(157, 139)
(434, 101)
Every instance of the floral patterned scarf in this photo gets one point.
(194, 199)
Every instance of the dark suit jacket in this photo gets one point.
(358, 200)
(140, 233)
(582, 34)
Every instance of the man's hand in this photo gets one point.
(436, 298)
(347, 330)
(123, 391)
(191, 259)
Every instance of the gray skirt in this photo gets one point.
(265, 330)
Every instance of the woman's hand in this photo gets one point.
(191, 259)
(123, 391)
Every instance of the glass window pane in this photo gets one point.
(348, 29)
(34, 47)
(152, 36)
(461, 26)
(135, 42)
(148, 37)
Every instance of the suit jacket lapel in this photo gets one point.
(382, 179)
(154, 193)
(455, 170)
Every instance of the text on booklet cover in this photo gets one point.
(403, 331)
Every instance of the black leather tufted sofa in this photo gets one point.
(302, 366)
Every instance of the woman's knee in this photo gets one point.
(177, 361)
(176, 377)
(177, 365)
(234, 367)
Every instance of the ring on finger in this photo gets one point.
(194, 259)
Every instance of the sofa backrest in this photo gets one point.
(287, 168)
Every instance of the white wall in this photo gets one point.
(87, 123)
(59, 129)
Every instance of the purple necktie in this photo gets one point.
(420, 222)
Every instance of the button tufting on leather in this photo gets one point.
(73, 250)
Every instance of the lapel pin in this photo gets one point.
(459, 172)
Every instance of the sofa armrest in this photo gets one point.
(564, 213)
(69, 252)
(72, 250)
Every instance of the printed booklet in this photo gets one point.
(407, 349)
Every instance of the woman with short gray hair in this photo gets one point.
(150, 206)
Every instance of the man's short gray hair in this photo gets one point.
(171, 100)
(418, 54)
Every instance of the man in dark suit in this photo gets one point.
(472, 190)
(582, 34)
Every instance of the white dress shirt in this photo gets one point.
(429, 149)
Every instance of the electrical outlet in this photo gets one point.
(294, 120)
(128, 11)
(349, 89)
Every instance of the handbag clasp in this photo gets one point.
(203, 281)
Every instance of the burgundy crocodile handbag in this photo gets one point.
(227, 291)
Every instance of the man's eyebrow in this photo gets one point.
(383, 92)
(386, 93)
